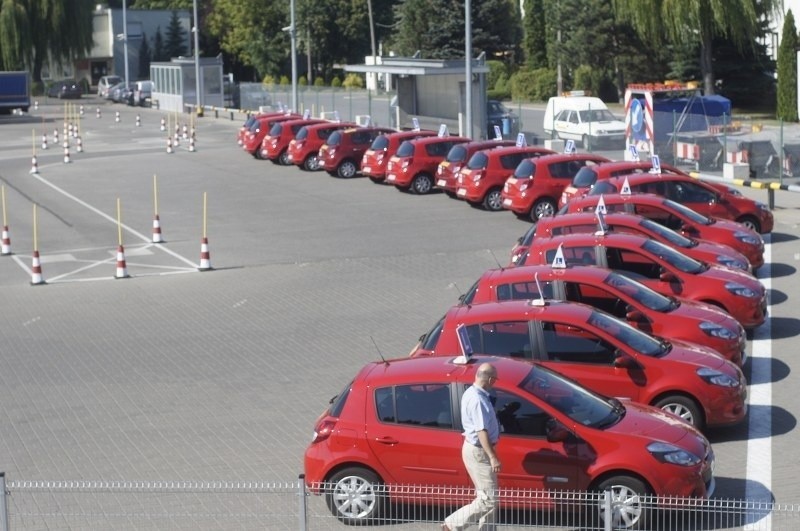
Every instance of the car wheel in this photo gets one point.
(628, 509)
(683, 407)
(492, 201)
(283, 158)
(751, 223)
(346, 169)
(258, 154)
(355, 496)
(422, 184)
(543, 208)
(311, 163)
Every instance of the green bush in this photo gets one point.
(319, 82)
(336, 82)
(499, 94)
(285, 80)
(268, 81)
(497, 69)
(353, 80)
(584, 79)
(536, 85)
(303, 81)
(37, 88)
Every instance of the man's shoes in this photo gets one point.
(445, 527)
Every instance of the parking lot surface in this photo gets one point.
(176, 374)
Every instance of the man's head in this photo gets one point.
(486, 376)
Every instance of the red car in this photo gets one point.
(304, 148)
(681, 219)
(585, 179)
(262, 125)
(604, 354)
(393, 434)
(342, 151)
(458, 155)
(622, 297)
(624, 223)
(375, 159)
(414, 164)
(535, 187)
(275, 145)
(662, 268)
(710, 199)
(481, 181)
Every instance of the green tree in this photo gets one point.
(31, 31)
(176, 37)
(159, 50)
(787, 71)
(160, 4)
(665, 21)
(535, 34)
(144, 58)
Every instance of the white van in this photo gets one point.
(583, 119)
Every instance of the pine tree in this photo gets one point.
(144, 58)
(176, 37)
(787, 71)
(159, 51)
(535, 40)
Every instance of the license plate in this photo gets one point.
(441, 182)
(391, 177)
(506, 202)
(461, 192)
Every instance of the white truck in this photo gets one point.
(584, 119)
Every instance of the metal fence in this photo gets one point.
(51, 505)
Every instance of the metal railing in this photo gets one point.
(105, 505)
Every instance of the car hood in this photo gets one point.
(652, 423)
(686, 352)
(708, 247)
(705, 312)
(733, 275)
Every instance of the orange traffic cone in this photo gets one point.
(34, 166)
(205, 256)
(122, 268)
(44, 141)
(6, 247)
(98, 112)
(157, 238)
(36, 277)
(169, 144)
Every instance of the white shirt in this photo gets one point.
(477, 413)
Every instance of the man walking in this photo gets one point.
(481, 431)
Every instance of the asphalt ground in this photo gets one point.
(176, 374)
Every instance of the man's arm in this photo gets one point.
(486, 444)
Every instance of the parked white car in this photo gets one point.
(105, 84)
(583, 119)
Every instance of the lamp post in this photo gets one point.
(196, 31)
(125, 37)
(292, 30)
(468, 67)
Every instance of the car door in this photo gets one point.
(583, 355)
(642, 268)
(411, 429)
(697, 197)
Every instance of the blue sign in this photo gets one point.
(464, 342)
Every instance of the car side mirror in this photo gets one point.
(556, 432)
(623, 361)
(667, 276)
(688, 229)
(634, 315)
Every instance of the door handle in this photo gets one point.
(386, 440)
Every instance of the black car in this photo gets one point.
(66, 88)
(501, 116)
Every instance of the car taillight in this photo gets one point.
(477, 176)
(523, 187)
(379, 157)
(406, 163)
(323, 430)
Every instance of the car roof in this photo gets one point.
(437, 139)
(529, 272)
(638, 178)
(477, 145)
(516, 310)
(643, 199)
(572, 218)
(351, 130)
(612, 239)
(410, 133)
(558, 157)
(511, 150)
(622, 165)
(330, 125)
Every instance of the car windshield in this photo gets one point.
(406, 149)
(478, 161)
(675, 258)
(527, 238)
(469, 296)
(668, 234)
(597, 115)
(574, 401)
(430, 339)
(250, 121)
(584, 178)
(603, 187)
(380, 142)
(302, 134)
(525, 169)
(631, 337)
(689, 213)
(457, 153)
(640, 293)
(335, 139)
(276, 129)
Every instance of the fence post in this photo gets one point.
(607, 523)
(302, 516)
(3, 503)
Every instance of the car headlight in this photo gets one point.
(715, 377)
(715, 330)
(761, 206)
(727, 261)
(746, 238)
(669, 453)
(741, 291)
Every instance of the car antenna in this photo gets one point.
(540, 301)
(461, 294)
(495, 259)
(379, 351)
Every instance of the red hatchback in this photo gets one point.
(414, 164)
(535, 187)
(304, 148)
(624, 223)
(710, 199)
(262, 125)
(681, 219)
(603, 353)
(448, 169)
(662, 268)
(586, 178)
(341, 153)
(622, 297)
(375, 159)
(393, 434)
(481, 181)
(275, 145)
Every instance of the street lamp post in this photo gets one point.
(293, 37)
(125, 37)
(468, 67)
(196, 31)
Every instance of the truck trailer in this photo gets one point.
(15, 91)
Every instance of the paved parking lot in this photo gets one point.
(174, 374)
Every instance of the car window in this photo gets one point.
(338, 401)
(361, 137)
(584, 178)
(524, 290)
(457, 153)
(675, 258)
(562, 115)
(684, 192)
(510, 162)
(633, 338)
(437, 149)
(582, 228)
(335, 138)
(674, 238)
(571, 344)
(478, 161)
(504, 338)
(295, 128)
(425, 404)
(573, 117)
(525, 169)
(566, 169)
(518, 416)
(301, 134)
(603, 187)
(641, 293)
(634, 263)
(430, 339)
(276, 129)
(597, 115)
(689, 213)
(581, 255)
(406, 149)
(380, 142)
(595, 296)
(323, 134)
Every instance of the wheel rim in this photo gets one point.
(347, 169)
(354, 497)
(493, 201)
(679, 410)
(422, 184)
(543, 209)
(312, 163)
(626, 507)
(284, 158)
(750, 224)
